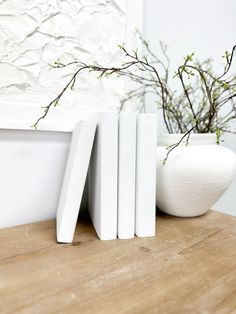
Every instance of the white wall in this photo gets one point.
(207, 28)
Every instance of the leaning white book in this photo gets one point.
(146, 175)
(74, 180)
(126, 175)
(103, 176)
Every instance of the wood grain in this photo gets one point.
(189, 267)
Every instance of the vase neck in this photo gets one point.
(194, 139)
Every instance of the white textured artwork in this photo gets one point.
(35, 33)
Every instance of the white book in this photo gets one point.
(74, 180)
(146, 175)
(126, 175)
(103, 176)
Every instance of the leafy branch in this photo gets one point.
(205, 102)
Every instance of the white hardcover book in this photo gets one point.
(103, 176)
(146, 175)
(74, 180)
(126, 175)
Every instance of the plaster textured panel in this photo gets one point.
(35, 33)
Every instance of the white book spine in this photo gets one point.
(146, 175)
(126, 175)
(103, 177)
(74, 180)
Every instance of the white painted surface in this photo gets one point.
(74, 180)
(204, 27)
(194, 176)
(103, 176)
(32, 165)
(145, 216)
(127, 175)
(23, 117)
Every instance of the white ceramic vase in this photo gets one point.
(194, 177)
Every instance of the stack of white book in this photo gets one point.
(118, 151)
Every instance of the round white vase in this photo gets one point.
(195, 176)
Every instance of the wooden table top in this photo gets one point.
(189, 267)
